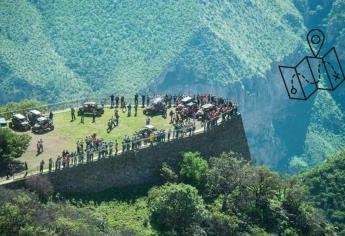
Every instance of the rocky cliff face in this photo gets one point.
(261, 102)
(281, 133)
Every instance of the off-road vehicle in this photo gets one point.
(42, 125)
(19, 123)
(156, 107)
(33, 115)
(89, 107)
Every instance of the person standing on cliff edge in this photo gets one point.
(41, 166)
(25, 169)
(117, 101)
(136, 110)
(112, 101)
(82, 116)
(72, 114)
(142, 101)
(129, 109)
(136, 100)
(50, 164)
(51, 115)
(94, 116)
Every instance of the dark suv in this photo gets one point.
(156, 107)
(42, 125)
(33, 116)
(89, 107)
(19, 122)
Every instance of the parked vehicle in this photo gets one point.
(33, 115)
(89, 107)
(3, 122)
(156, 107)
(19, 123)
(42, 125)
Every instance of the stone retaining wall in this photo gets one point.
(143, 166)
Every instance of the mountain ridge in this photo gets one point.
(67, 50)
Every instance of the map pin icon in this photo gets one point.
(315, 39)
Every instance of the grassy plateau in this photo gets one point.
(67, 133)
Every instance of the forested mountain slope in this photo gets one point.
(327, 188)
(123, 45)
(59, 50)
(322, 118)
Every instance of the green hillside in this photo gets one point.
(123, 46)
(325, 133)
(226, 48)
(327, 188)
(29, 65)
(324, 114)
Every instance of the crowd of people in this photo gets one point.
(11, 169)
(185, 112)
(86, 151)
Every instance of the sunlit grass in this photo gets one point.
(74, 131)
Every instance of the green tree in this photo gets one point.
(193, 169)
(297, 165)
(252, 199)
(257, 231)
(226, 172)
(265, 185)
(175, 207)
(223, 224)
(12, 145)
(326, 187)
(22, 213)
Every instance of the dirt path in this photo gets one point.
(52, 147)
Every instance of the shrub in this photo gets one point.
(193, 169)
(12, 145)
(175, 207)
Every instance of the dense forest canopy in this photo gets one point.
(224, 195)
(326, 186)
